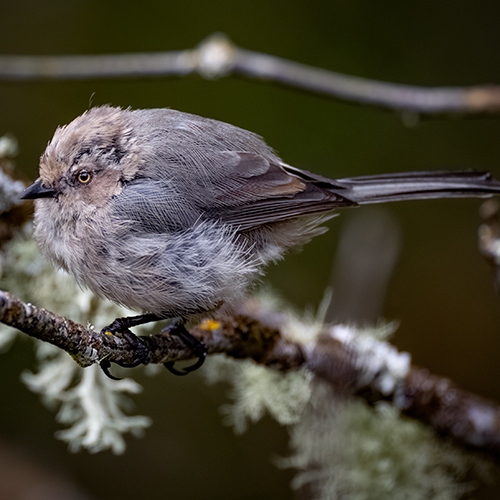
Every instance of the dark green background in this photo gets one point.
(442, 291)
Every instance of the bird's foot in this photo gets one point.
(119, 327)
(199, 349)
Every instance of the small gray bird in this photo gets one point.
(174, 215)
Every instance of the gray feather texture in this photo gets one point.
(174, 214)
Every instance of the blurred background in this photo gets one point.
(442, 290)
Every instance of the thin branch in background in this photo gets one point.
(218, 57)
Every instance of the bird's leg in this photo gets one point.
(121, 325)
(199, 348)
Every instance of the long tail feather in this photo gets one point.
(417, 186)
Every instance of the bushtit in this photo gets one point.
(174, 215)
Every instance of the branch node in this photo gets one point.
(216, 56)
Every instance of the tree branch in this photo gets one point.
(374, 370)
(217, 57)
(239, 337)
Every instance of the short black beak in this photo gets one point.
(38, 190)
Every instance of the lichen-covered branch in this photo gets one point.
(217, 57)
(451, 411)
(348, 359)
(238, 336)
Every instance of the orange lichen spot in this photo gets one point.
(209, 324)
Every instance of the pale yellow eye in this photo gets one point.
(84, 177)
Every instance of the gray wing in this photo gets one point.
(221, 172)
(255, 191)
(153, 206)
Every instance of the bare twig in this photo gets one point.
(175, 63)
(470, 420)
(217, 56)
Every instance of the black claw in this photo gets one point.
(141, 350)
(199, 349)
(201, 359)
(119, 327)
(105, 366)
(169, 365)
